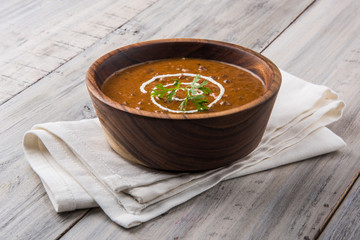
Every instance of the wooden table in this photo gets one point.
(47, 46)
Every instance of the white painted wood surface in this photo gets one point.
(318, 41)
(39, 36)
(345, 224)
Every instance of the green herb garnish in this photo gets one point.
(191, 90)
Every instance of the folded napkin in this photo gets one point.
(79, 169)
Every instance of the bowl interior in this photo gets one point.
(188, 48)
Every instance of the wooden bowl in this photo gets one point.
(183, 142)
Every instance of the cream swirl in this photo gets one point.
(217, 98)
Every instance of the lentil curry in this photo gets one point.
(183, 85)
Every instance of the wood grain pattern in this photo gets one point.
(39, 36)
(284, 203)
(345, 224)
(183, 142)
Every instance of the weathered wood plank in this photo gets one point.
(39, 36)
(345, 224)
(253, 207)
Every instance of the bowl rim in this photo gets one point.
(97, 92)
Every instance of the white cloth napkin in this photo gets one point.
(79, 169)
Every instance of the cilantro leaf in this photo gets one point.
(171, 95)
(192, 93)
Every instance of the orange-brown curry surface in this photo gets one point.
(240, 85)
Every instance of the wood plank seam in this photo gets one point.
(291, 23)
(73, 224)
(337, 205)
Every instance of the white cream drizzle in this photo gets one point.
(142, 89)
